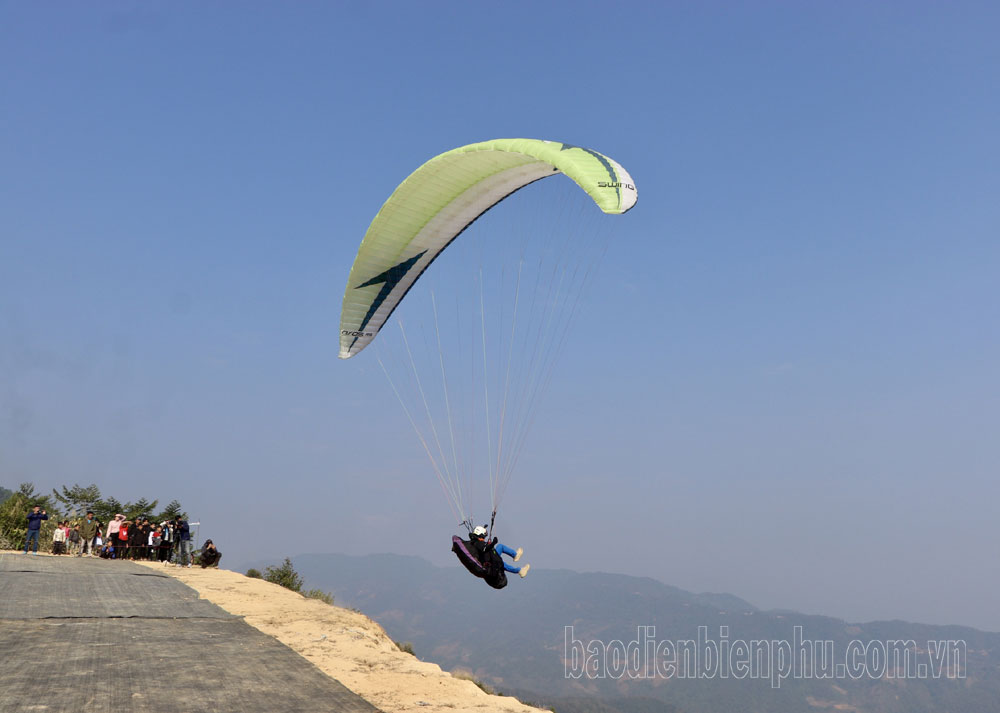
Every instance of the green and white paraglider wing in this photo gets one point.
(439, 200)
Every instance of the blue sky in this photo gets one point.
(786, 389)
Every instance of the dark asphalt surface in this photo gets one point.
(82, 635)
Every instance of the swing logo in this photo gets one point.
(349, 333)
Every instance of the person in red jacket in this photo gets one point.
(121, 540)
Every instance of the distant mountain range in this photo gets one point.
(608, 643)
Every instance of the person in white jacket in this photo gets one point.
(59, 540)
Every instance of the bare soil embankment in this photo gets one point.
(344, 644)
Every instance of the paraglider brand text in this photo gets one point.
(615, 184)
(349, 333)
(772, 660)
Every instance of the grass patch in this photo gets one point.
(319, 594)
(466, 676)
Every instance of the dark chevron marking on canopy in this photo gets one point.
(405, 268)
(604, 162)
(389, 279)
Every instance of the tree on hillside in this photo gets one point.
(13, 525)
(78, 499)
(172, 510)
(32, 498)
(14, 517)
(140, 508)
(72, 503)
(285, 575)
(107, 509)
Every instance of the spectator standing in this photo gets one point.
(147, 533)
(74, 540)
(59, 540)
(155, 538)
(167, 541)
(182, 537)
(121, 540)
(136, 540)
(89, 529)
(35, 518)
(113, 527)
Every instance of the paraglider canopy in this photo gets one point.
(469, 378)
(444, 196)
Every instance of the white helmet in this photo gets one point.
(479, 531)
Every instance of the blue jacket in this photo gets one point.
(35, 520)
(183, 530)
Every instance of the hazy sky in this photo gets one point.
(785, 388)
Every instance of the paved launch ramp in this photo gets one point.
(82, 634)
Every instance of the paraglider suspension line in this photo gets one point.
(489, 533)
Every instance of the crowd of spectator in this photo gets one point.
(168, 542)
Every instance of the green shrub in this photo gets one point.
(14, 519)
(466, 676)
(285, 575)
(254, 573)
(406, 647)
(319, 594)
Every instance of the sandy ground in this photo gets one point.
(344, 644)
